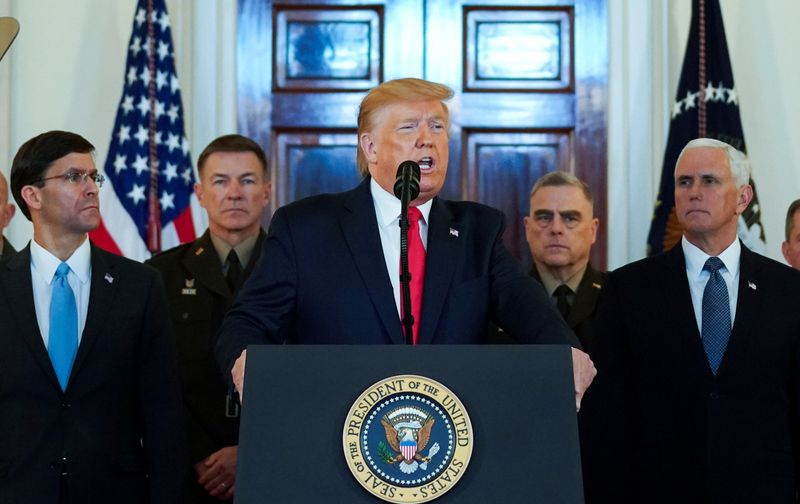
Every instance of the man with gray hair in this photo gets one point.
(698, 349)
(791, 247)
(6, 213)
(560, 231)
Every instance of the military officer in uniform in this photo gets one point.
(202, 279)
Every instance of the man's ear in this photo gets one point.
(368, 147)
(32, 196)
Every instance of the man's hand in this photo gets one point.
(583, 371)
(237, 372)
(218, 472)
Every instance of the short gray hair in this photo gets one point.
(737, 160)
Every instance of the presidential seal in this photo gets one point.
(407, 438)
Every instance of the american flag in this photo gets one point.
(149, 170)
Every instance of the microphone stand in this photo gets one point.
(405, 275)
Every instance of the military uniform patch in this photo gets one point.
(407, 439)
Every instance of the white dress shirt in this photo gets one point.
(43, 270)
(387, 211)
(698, 277)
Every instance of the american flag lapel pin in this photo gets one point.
(109, 278)
(454, 232)
(751, 285)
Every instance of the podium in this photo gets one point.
(519, 399)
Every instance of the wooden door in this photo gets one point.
(530, 80)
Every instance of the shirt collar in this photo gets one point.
(551, 283)
(80, 262)
(696, 258)
(388, 205)
(244, 250)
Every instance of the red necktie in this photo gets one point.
(416, 266)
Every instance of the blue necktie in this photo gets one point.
(716, 314)
(63, 338)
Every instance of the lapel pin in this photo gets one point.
(199, 251)
(454, 232)
(751, 285)
(109, 278)
(595, 285)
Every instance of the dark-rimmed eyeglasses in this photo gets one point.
(77, 177)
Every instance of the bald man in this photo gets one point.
(6, 213)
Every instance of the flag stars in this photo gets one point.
(131, 76)
(144, 105)
(173, 83)
(161, 79)
(145, 76)
(710, 93)
(127, 103)
(123, 134)
(142, 135)
(171, 172)
(690, 99)
(119, 163)
(733, 97)
(187, 176)
(136, 46)
(173, 113)
(185, 146)
(167, 201)
(136, 194)
(164, 21)
(141, 17)
(154, 17)
(141, 165)
(676, 109)
(163, 50)
(173, 142)
(159, 109)
(719, 94)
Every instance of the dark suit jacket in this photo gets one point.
(116, 430)
(660, 427)
(198, 297)
(326, 281)
(581, 316)
(8, 250)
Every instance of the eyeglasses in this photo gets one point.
(77, 177)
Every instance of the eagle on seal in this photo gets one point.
(408, 440)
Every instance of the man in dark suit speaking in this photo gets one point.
(89, 398)
(329, 272)
(698, 351)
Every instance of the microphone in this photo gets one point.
(407, 181)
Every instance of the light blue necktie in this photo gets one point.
(63, 339)
(716, 314)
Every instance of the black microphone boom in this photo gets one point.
(407, 179)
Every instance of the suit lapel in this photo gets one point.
(748, 306)
(585, 298)
(440, 263)
(103, 291)
(201, 260)
(18, 285)
(678, 301)
(360, 229)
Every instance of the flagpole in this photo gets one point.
(154, 212)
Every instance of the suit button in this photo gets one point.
(184, 316)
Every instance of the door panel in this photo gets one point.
(530, 80)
